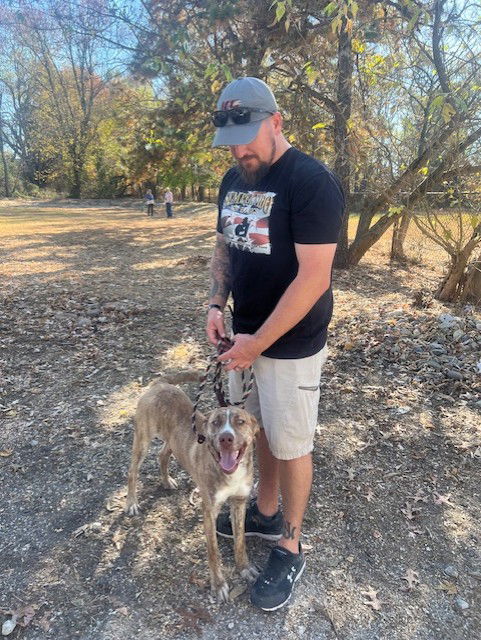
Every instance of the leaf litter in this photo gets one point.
(400, 412)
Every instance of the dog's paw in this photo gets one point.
(169, 483)
(132, 509)
(222, 592)
(250, 573)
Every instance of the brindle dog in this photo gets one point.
(222, 467)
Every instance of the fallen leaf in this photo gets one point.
(17, 468)
(419, 497)
(448, 587)
(350, 473)
(393, 474)
(5, 453)
(44, 621)
(114, 504)
(372, 599)
(117, 538)
(81, 530)
(412, 579)
(196, 579)
(410, 512)
(192, 617)
(237, 591)
(369, 495)
(440, 499)
(194, 497)
(25, 614)
(86, 529)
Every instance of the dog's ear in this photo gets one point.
(255, 425)
(200, 421)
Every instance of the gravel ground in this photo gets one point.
(97, 301)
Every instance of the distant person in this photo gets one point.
(149, 201)
(169, 200)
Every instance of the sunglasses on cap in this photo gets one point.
(239, 115)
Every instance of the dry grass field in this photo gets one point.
(97, 300)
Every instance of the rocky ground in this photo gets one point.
(97, 301)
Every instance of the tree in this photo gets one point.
(459, 234)
(67, 83)
(347, 60)
(452, 129)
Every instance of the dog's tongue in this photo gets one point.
(228, 460)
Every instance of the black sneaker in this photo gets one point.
(274, 586)
(256, 524)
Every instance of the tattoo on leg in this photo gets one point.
(289, 531)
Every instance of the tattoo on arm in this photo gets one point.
(289, 531)
(220, 271)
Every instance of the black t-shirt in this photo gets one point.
(298, 201)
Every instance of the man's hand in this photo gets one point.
(215, 328)
(245, 350)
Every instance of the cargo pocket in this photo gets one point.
(309, 405)
(300, 420)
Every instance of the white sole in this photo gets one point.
(279, 606)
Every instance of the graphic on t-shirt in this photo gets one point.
(245, 220)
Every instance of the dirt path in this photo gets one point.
(99, 300)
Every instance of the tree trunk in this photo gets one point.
(201, 193)
(342, 165)
(78, 161)
(6, 177)
(76, 190)
(453, 283)
(399, 236)
(183, 190)
(449, 288)
(362, 245)
(472, 286)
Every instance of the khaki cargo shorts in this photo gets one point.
(284, 399)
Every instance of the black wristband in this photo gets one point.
(214, 306)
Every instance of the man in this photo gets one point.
(280, 213)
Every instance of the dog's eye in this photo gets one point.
(240, 421)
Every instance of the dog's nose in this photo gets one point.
(226, 438)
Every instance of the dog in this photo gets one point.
(221, 467)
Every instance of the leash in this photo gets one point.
(223, 345)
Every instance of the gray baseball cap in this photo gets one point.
(244, 92)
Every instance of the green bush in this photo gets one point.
(32, 189)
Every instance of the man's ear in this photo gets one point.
(277, 121)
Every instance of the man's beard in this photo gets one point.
(252, 177)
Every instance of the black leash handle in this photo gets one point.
(223, 345)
